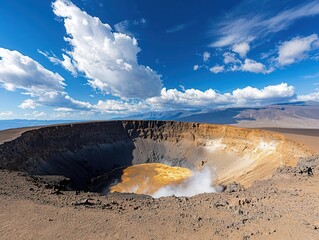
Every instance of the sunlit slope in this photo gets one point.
(232, 154)
(150, 177)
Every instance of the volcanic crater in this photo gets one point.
(126, 156)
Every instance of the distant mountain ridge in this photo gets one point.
(286, 115)
(283, 115)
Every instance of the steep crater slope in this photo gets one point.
(88, 152)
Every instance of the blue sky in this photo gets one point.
(94, 59)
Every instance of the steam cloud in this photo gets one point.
(199, 182)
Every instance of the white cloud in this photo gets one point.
(230, 58)
(296, 49)
(196, 67)
(63, 109)
(241, 48)
(309, 97)
(248, 65)
(52, 58)
(62, 99)
(206, 56)
(35, 115)
(108, 59)
(120, 106)
(66, 63)
(217, 69)
(233, 64)
(253, 66)
(6, 115)
(241, 28)
(21, 72)
(270, 92)
(288, 52)
(172, 99)
(28, 104)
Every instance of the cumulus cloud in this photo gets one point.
(217, 69)
(241, 48)
(6, 114)
(230, 58)
(19, 72)
(50, 92)
(108, 59)
(28, 104)
(239, 27)
(120, 106)
(296, 49)
(250, 65)
(62, 99)
(289, 52)
(173, 99)
(270, 92)
(233, 64)
(309, 97)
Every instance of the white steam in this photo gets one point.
(199, 182)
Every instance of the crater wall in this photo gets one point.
(86, 150)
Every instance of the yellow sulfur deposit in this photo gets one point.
(150, 177)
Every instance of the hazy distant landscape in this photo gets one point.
(286, 115)
(20, 123)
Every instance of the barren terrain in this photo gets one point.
(283, 206)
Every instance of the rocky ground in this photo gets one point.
(283, 207)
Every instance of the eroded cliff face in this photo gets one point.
(87, 150)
